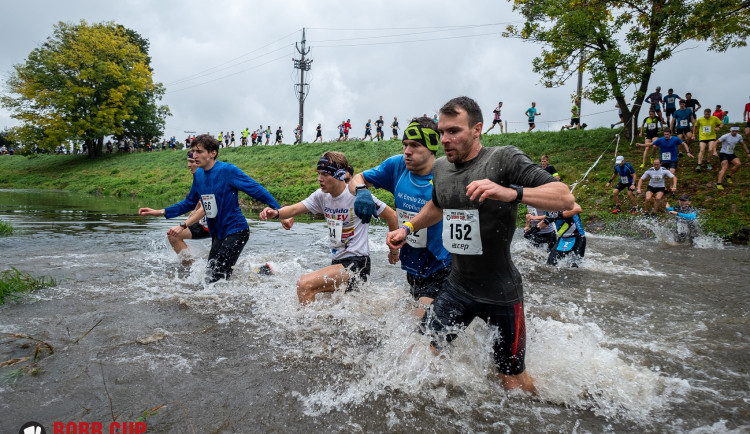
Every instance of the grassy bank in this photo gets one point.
(161, 178)
(5, 228)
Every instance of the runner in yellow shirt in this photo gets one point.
(705, 128)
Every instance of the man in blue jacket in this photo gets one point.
(216, 185)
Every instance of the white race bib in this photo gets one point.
(209, 205)
(416, 239)
(203, 222)
(461, 231)
(625, 180)
(335, 229)
(683, 123)
(657, 178)
(706, 129)
(666, 156)
(651, 126)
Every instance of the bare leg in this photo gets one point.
(521, 381)
(324, 280)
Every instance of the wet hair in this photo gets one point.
(426, 122)
(208, 142)
(337, 158)
(468, 105)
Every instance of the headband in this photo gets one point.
(425, 136)
(332, 168)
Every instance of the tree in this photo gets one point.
(619, 43)
(84, 83)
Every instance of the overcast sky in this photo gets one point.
(227, 64)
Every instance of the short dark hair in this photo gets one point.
(666, 130)
(208, 142)
(468, 105)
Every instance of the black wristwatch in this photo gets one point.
(519, 192)
(360, 187)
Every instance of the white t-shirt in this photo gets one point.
(728, 143)
(657, 177)
(346, 232)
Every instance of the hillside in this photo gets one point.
(161, 178)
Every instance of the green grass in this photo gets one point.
(13, 283)
(5, 228)
(161, 178)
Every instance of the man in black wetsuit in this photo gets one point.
(478, 226)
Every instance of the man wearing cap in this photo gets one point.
(408, 177)
(656, 186)
(686, 215)
(726, 155)
(476, 192)
(216, 185)
(626, 173)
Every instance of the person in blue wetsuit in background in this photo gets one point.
(571, 237)
(216, 185)
(408, 177)
(687, 227)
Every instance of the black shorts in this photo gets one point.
(708, 141)
(683, 130)
(224, 254)
(379, 131)
(538, 239)
(452, 308)
(319, 134)
(395, 132)
(650, 134)
(747, 124)
(531, 124)
(656, 189)
(727, 157)
(428, 286)
(497, 121)
(670, 111)
(341, 134)
(622, 187)
(367, 133)
(575, 121)
(198, 231)
(360, 265)
(669, 164)
(578, 250)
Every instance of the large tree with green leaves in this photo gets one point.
(84, 83)
(619, 43)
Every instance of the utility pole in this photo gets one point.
(302, 88)
(580, 85)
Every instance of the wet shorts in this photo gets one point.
(559, 252)
(453, 309)
(669, 165)
(428, 286)
(224, 254)
(198, 231)
(656, 189)
(727, 157)
(538, 239)
(359, 265)
(623, 187)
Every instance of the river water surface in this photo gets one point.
(644, 337)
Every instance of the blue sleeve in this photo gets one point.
(252, 188)
(670, 208)
(187, 204)
(384, 175)
(690, 216)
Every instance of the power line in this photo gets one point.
(415, 28)
(228, 75)
(408, 41)
(205, 71)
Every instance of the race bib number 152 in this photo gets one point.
(461, 231)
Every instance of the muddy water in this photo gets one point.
(644, 337)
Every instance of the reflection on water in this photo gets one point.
(645, 336)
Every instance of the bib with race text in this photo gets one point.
(209, 205)
(416, 239)
(706, 129)
(624, 179)
(461, 231)
(335, 229)
(666, 156)
(683, 123)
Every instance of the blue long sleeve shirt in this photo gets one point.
(217, 190)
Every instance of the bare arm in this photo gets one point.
(283, 213)
(357, 180)
(553, 195)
